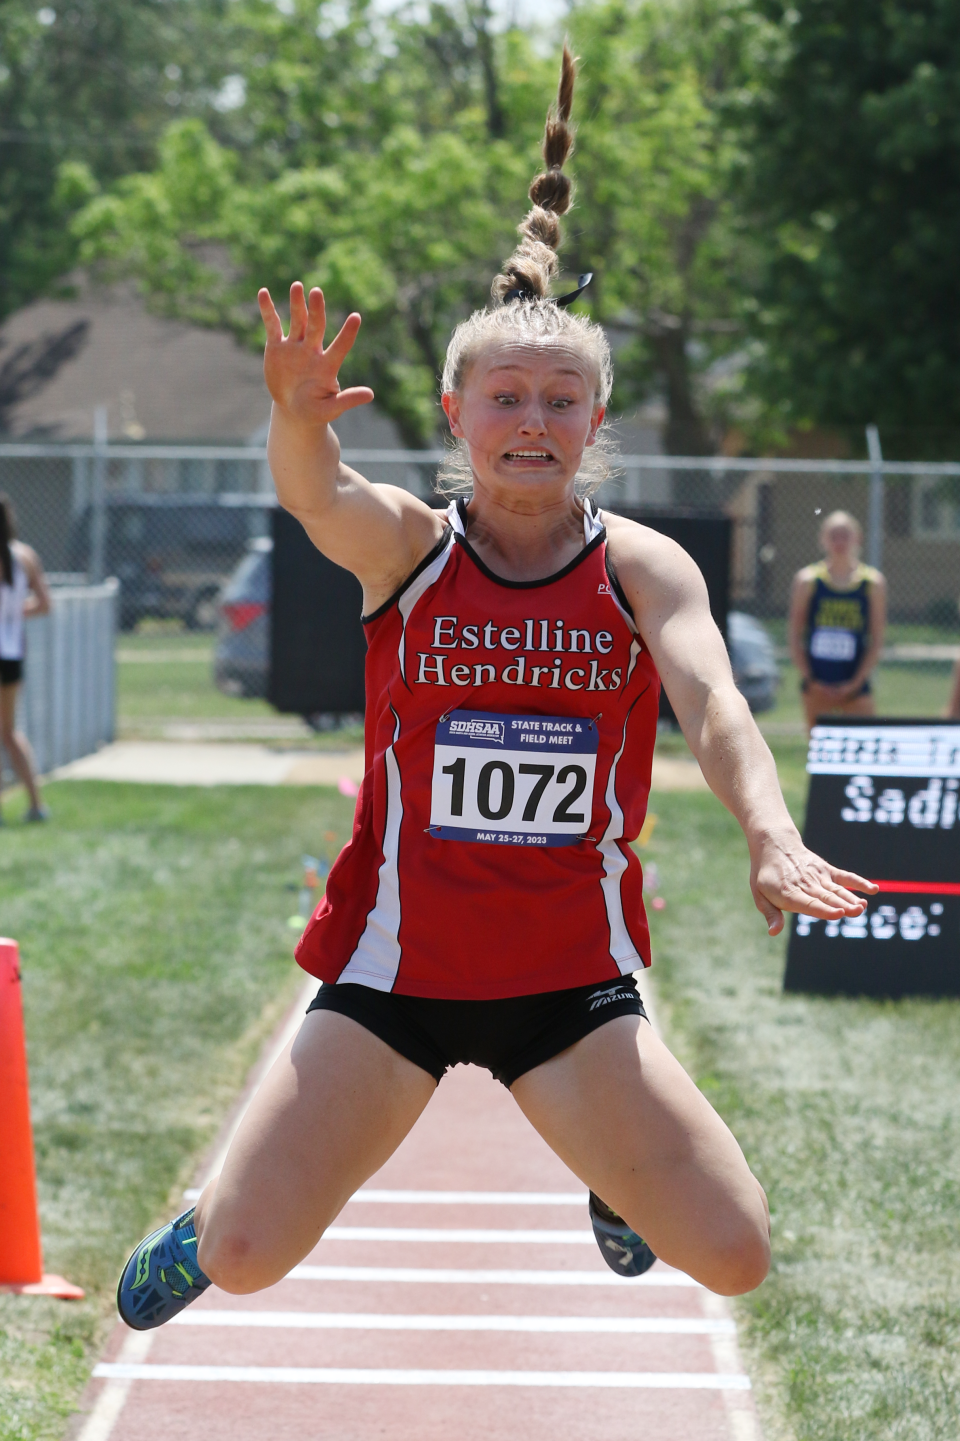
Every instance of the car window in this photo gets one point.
(250, 580)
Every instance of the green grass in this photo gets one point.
(848, 1112)
(905, 689)
(156, 958)
(178, 687)
(897, 633)
(158, 690)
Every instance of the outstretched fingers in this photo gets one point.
(316, 319)
(298, 312)
(271, 320)
(342, 343)
(356, 395)
(850, 881)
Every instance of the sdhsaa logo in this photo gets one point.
(478, 730)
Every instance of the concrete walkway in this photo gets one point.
(211, 764)
(460, 1295)
(176, 763)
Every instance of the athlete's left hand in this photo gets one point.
(785, 876)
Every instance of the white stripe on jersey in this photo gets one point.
(376, 960)
(622, 949)
(413, 593)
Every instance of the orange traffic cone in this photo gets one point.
(21, 1259)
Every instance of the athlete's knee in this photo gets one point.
(740, 1257)
(234, 1257)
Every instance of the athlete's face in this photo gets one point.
(526, 413)
(841, 543)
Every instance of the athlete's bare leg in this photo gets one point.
(335, 1106)
(818, 701)
(626, 1118)
(15, 744)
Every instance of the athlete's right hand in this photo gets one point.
(301, 376)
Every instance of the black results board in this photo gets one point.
(883, 802)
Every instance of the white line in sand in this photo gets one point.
(343, 1376)
(378, 1321)
(445, 1276)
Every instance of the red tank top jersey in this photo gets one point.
(510, 729)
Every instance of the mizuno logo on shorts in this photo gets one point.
(604, 998)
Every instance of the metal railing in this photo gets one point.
(68, 702)
(173, 521)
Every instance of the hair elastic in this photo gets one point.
(523, 292)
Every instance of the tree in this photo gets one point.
(360, 161)
(84, 95)
(855, 183)
(661, 87)
(388, 159)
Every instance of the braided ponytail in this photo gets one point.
(517, 315)
(534, 262)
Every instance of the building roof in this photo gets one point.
(161, 380)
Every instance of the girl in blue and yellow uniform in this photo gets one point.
(838, 614)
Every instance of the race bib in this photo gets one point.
(827, 644)
(513, 780)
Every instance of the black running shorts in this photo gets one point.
(508, 1037)
(11, 672)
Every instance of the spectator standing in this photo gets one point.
(23, 593)
(838, 615)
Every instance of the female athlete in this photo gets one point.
(23, 593)
(838, 614)
(488, 907)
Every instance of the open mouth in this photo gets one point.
(528, 455)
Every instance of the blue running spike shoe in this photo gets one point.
(621, 1248)
(162, 1275)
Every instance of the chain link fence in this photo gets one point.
(172, 523)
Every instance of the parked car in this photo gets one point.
(754, 660)
(241, 658)
(171, 553)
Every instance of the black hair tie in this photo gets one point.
(523, 292)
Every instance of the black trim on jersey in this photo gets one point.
(417, 570)
(588, 549)
(618, 589)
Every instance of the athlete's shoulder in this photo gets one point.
(810, 574)
(870, 574)
(652, 568)
(435, 556)
(630, 542)
(26, 555)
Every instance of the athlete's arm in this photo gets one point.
(669, 600)
(379, 532)
(38, 601)
(800, 593)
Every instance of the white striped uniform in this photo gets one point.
(509, 737)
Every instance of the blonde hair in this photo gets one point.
(841, 517)
(522, 310)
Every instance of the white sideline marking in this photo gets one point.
(342, 1376)
(455, 1198)
(112, 1399)
(376, 1321)
(467, 1235)
(449, 1277)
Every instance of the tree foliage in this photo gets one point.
(855, 183)
(388, 159)
(86, 89)
(663, 88)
